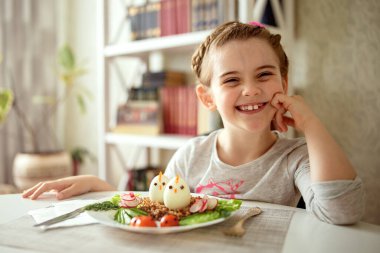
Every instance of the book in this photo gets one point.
(183, 16)
(164, 78)
(132, 12)
(153, 19)
(179, 110)
(168, 17)
(143, 93)
(139, 117)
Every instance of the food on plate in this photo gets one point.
(179, 207)
(124, 215)
(177, 194)
(157, 187)
(143, 221)
(129, 200)
(169, 220)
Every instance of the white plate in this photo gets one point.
(106, 218)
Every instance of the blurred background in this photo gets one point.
(93, 82)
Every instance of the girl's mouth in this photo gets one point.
(250, 108)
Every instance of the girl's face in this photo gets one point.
(245, 77)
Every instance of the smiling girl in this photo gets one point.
(242, 71)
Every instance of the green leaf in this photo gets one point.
(229, 205)
(81, 103)
(66, 58)
(116, 199)
(86, 92)
(133, 212)
(199, 218)
(6, 101)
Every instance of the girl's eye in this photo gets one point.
(264, 75)
(231, 82)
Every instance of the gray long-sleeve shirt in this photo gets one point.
(279, 176)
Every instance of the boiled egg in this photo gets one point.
(156, 188)
(177, 194)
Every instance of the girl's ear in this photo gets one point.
(285, 84)
(204, 95)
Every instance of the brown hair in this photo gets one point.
(234, 31)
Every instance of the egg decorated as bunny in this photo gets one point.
(157, 187)
(177, 194)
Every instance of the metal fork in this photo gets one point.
(238, 229)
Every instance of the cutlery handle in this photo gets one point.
(251, 212)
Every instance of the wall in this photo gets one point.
(336, 68)
(80, 28)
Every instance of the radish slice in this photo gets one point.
(129, 200)
(128, 196)
(196, 206)
(129, 203)
(212, 203)
(204, 205)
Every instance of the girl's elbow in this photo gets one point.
(339, 215)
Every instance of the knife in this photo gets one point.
(62, 217)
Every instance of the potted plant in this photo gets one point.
(38, 164)
(78, 156)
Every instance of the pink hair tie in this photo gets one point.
(255, 23)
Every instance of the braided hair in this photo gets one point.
(229, 31)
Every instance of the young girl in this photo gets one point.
(243, 73)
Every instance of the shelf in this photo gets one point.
(170, 142)
(181, 42)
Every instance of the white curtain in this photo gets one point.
(28, 45)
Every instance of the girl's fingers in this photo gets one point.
(68, 192)
(48, 186)
(278, 99)
(288, 121)
(279, 119)
(31, 190)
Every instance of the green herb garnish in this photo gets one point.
(102, 206)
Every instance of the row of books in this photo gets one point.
(169, 17)
(175, 113)
(163, 104)
(180, 110)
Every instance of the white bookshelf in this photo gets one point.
(180, 42)
(164, 141)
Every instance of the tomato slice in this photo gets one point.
(143, 221)
(169, 220)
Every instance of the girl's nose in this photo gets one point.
(251, 90)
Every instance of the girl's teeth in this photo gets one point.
(250, 107)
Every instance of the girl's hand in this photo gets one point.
(68, 187)
(301, 114)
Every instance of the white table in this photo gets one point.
(305, 234)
